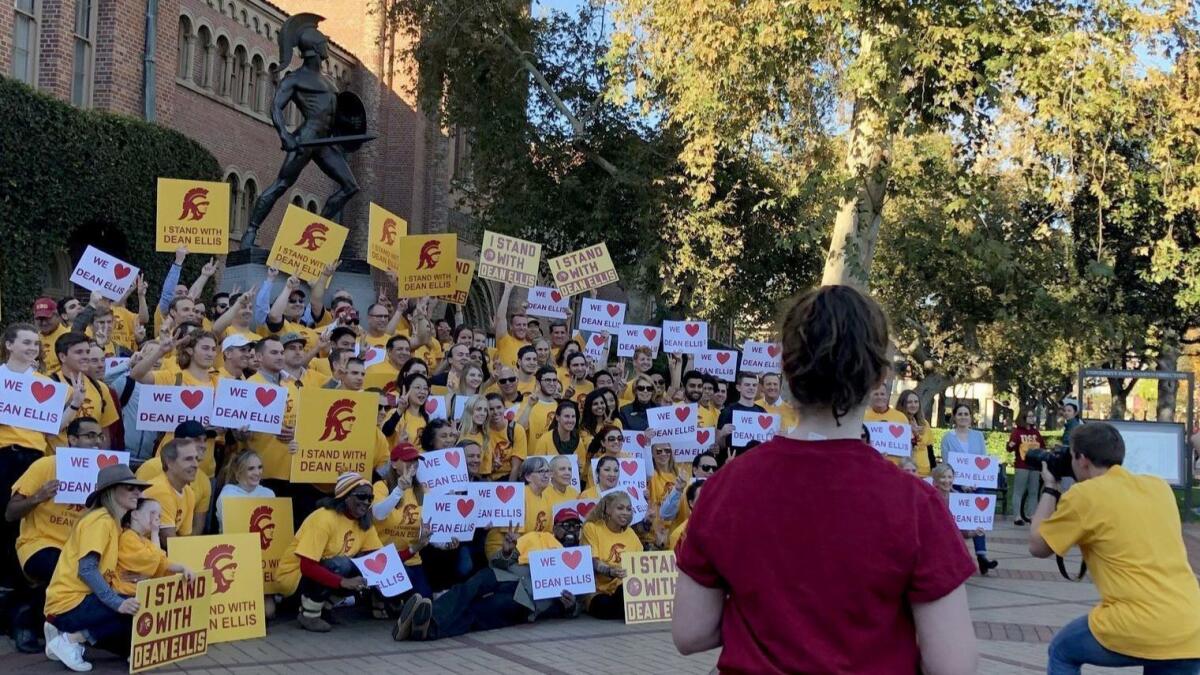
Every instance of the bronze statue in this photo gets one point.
(334, 123)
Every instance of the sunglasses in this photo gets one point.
(613, 439)
(507, 380)
(644, 388)
(707, 467)
(363, 496)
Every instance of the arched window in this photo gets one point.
(235, 203)
(204, 56)
(221, 69)
(85, 53)
(237, 78)
(257, 84)
(183, 61)
(312, 206)
(297, 200)
(249, 196)
(26, 40)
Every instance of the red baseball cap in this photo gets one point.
(565, 515)
(406, 452)
(44, 307)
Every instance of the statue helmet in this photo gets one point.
(292, 33)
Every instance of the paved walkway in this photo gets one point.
(1016, 610)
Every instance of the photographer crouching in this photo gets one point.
(1127, 527)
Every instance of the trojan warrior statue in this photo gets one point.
(334, 124)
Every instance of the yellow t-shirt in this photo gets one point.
(535, 541)
(677, 536)
(311, 336)
(26, 438)
(506, 349)
(608, 547)
(178, 509)
(49, 357)
(412, 423)
(582, 389)
(787, 413)
(201, 486)
(96, 532)
(540, 414)
(324, 534)
(504, 452)
(137, 555)
(380, 375)
(48, 525)
(921, 455)
(276, 458)
(538, 510)
(431, 354)
(97, 404)
(402, 526)
(707, 416)
(557, 497)
(125, 323)
(1127, 527)
(376, 341)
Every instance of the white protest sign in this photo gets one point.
(575, 481)
(580, 506)
(384, 570)
(762, 357)
(435, 407)
(674, 420)
(633, 471)
(890, 438)
(450, 517)
(547, 302)
(163, 407)
(633, 336)
(256, 405)
(31, 402)
(596, 348)
(111, 363)
(101, 272)
(685, 337)
(720, 363)
(973, 511)
(753, 426)
(460, 404)
(977, 471)
(599, 316)
(688, 446)
(76, 469)
(555, 570)
(497, 504)
(373, 356)
(637, 496)
(443, 470)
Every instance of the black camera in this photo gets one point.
(1057, 460)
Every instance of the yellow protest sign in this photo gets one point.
(235, 601)
(335, 432)
(649, 586)
(192, 213)
(509, 260)
(172, 623)
(384, 230)
(269, 519)
(581, 271)
(464, 275)
(426, 265)
(306, 243)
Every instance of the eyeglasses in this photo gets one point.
(641, 387)
(549, 380)
(507, 380)
(542, 471)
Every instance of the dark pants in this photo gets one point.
(304, 497)
(106, 629)
(420, 583)
(446, 568)
(339, 565)
(608, 606)
(31, 599)
(14, 462)
(479, 603)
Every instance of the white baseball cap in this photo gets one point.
(235, 341)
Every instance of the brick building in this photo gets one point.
(209, 76)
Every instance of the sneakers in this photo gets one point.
(49, 632)
(1018, 522)
(403, 627)
(269, 607)
(70, 653)
(314, 623)
(422, 617)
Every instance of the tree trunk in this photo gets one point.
(929, 386)
(1167, 361)
(1116, 410)
(852, 246)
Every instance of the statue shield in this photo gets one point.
(350, 119)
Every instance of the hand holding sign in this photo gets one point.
(384, 570)
(107, 275)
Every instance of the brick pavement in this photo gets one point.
(1016, 611)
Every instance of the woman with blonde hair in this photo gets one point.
(608, 532)
(243, 478)
(474, 427)
(909, 403)
(943, 480)
(633, 415)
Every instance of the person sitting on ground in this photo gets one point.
(608, 532)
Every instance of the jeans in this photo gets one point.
(1026, 483)
(105, 628)
(1075, 645)
(339, 565)
(980, 545)
(479, 603)
(445, 568)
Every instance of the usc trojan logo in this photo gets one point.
(262, 521)
(408, 515)
(388, 236)
(313, 236)
(220, 561)
(614, 553)
(347, 542)
(336, 420)
(540, 523)
(431, 251)
(195, 204)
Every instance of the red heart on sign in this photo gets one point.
(691, 329)
(377, 563)
(42, 391)
(598, 340)
(105, 460)
(722, 357)
(430, 405)
(191, 397)
(764, 421)
(632, 491)
(982, 462)
(370, 355)
(265, 396)
(982, 503)
(613, 309)
(121, 271)
(895, 430)
(555, 296)
(773, 350)
(702, 436)
(629, 467)
(650, 333)
(465, 506)
(452, 459)
(585, 508)
(505, 492)
(572, 558)
(681, 413)
(642, 440)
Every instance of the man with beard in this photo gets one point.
(693, 392)
(499, 596)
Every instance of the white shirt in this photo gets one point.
(235, 490)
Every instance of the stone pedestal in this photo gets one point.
(244, 268)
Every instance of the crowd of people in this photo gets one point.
(526, 404)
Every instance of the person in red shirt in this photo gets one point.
(870, 575)
(1025, 437)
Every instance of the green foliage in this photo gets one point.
(996, 443)
(71, 177)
